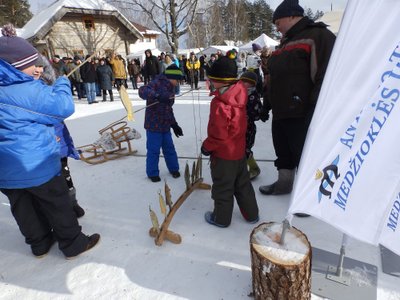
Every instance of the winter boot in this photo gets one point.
(254, 170)
(111, 97)
(282, 186)
(104, 97)
(79, 211)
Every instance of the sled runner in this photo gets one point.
(114, 142)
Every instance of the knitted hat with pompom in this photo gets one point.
(223, 69)
(15, 50)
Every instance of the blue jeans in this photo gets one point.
(156, 141)
(90, 88)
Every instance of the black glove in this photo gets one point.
(162, 98)
(264, 115)
(177, 129)
(205, 152)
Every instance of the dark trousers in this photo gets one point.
(45, 211)
(80, 89)
(66, 173)
(288, 136)
(134, 80)
(194, 78)
(250, 137)
(231, 179)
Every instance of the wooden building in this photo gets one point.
(70, 27)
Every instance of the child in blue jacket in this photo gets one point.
(159, 119)
(45, 72)
(30, 155)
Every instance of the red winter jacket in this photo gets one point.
(228, 124)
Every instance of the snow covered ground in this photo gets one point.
(210, 263)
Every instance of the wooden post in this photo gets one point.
(280, 271)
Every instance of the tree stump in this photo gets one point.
(280, 271)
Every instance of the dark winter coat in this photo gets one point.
(227, 124)
(88, 72)
(105, 77)
(296, 70)
(29, 109)
(159, 117)
(151, 65)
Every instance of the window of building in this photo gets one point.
(88, 23)
(78, 52)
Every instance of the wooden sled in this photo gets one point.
(119, 146)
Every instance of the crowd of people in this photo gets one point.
(35, 142)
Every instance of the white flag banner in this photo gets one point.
(349, 173)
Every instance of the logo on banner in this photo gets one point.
(328, 176)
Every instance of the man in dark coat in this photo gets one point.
(295, 72)
(89, 78)
(105, 78)
(152, 65)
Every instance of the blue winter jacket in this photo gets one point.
(29, 109)
(67, 147)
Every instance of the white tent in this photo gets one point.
(333, 19)
(140, 54)
(263, 40)
(214, 48)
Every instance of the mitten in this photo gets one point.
(264, 115)
(177, 129)
(205, 152)
(162, 98)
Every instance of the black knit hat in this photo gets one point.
(288, 8)
(173, 72)
(223, 69)
(250, 77)
(15, 50)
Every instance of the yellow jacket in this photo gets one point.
(193, 65)
(118, 68)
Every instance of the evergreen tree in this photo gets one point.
(259, 19)
(15, 11)
(313, 16)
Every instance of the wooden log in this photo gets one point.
(280, 271)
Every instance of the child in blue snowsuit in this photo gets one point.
(159, 119)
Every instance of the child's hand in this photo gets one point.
(177, 130)
(264, 115)
(205, 152)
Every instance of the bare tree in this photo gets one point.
(171, 17)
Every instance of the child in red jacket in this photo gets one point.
(226, 143)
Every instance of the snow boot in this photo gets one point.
(92, 241)
(209, 216)
(79, 211)
(254, 170)
(111, 97)
(175, 174)
(282, 186)
(155, 178)
(104, 98)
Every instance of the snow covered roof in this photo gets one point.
(144, 30)
(42, 22)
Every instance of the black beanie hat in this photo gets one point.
(173, 72)
(288, 8)
(15, 50)
(223, 69)
(250, 77)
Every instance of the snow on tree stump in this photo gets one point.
(280, 271)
